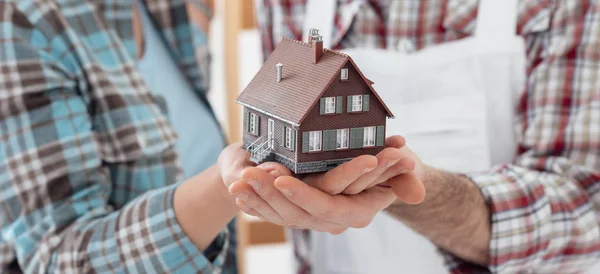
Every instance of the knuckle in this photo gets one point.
(361, 223)
(353, 189)
(337, 231)
(268, 196)
(327, 213)
(296, 221)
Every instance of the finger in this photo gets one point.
(385, 159)
(257, 208)
(248, 210)
(395, 141)
(243, 192)
(403, 166)
(275, 169)
(408, 188)
(339, 209)
(291, 214)
(339, 178)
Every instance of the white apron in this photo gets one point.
(440, 97)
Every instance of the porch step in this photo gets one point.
(268, 157)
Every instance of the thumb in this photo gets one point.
(408, 188)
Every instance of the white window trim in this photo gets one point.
(369, 137)
(344, 74)
(345, 134)
(329, 105)
(315, 139)
(288, 137)
(357, 103)
(253, 123)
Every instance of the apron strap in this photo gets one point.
(320, 14)
(497, 18)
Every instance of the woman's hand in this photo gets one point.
(232, 162)
(347, 196)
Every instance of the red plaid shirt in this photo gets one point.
(544, 205)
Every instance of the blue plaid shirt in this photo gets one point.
(87, 164)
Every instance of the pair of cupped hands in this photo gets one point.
(348, 196)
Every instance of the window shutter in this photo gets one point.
(282, 136)
(293, 137)
(329, 140)
(366, 102)
(322, 109)
(360, 134)
(246, 121)
(380, 136)
(305, 142)
(353, 137)
(349, 104)
(257, 125)
(338, 104)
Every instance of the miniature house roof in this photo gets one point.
(302, 81)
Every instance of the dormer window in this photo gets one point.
(344, 74)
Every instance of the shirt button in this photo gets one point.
(406, 46)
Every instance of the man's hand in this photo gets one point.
(347, 196)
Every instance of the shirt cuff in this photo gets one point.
(174, 249)
(514, 233)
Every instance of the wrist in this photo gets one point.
(202, 208)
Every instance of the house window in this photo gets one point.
(253, 124)
(288, 137)
(330, 105)
(369, 137)
(344, 74)
(357, 103)
(342, 139)
(314, 141)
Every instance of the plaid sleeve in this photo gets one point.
(545, 206)
(57, 186)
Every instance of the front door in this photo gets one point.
(271, 133)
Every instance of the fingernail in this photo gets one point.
(368, 169)
(285, 191)
(275, 173)
(391, 163)
(254, 184)
(242, 196)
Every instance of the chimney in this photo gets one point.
(311, 34)
(279, 72)
(316, 41)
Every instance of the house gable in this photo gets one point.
(315, 121)
(356, 81)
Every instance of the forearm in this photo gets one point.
(203, 207)
(453, 215)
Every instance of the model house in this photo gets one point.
(311, 109)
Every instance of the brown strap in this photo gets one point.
(138, 31)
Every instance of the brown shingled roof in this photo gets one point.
(303, 81)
